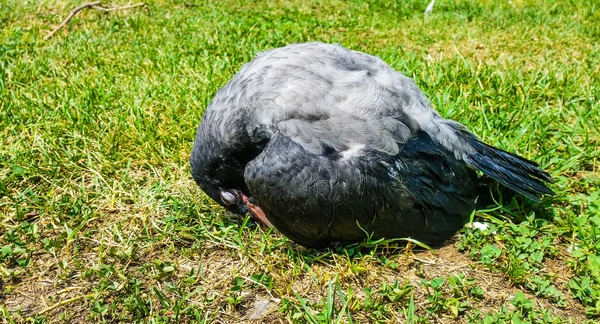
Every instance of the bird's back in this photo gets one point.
(318, 94)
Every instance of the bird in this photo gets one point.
(332, 146)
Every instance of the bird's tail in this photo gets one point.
(515, 172)
(510, 170)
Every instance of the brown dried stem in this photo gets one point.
(94, 5)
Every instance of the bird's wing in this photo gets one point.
(315, 189)
(317, 180)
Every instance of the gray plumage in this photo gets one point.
(331, 143)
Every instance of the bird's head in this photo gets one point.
(221, 177)
(218, 179)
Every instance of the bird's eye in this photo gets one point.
(228, 197)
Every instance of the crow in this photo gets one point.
(329, 145)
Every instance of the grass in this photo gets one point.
(101, 221)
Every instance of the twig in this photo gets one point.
(120, 8)
(423, 260)
(429, 8)
(277, 300)
(94, 5)
(65, 302)
(62, 291)
(70, 16)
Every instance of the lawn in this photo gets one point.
(101, 221)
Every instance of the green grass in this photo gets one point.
(101, 221)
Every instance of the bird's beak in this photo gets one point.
(256, 211)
